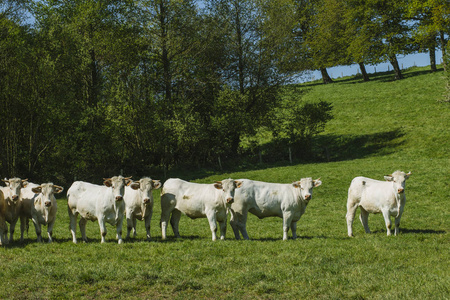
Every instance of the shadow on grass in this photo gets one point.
(348, 147)
(421, 231)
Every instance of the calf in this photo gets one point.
(139, 203)
(43, 209)
(263, 199)
(197, 201)
(375, 196)
(13, 209)
(96, 202)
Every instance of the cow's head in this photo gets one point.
(15, 184)
(398, 178)
(145, 187)
(228, 187)
(306, 186)
(117, 183)
(46, 190)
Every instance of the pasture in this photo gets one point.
(378, 127)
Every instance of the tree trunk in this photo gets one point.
(394, 62)
(325, 77)
(433, 58)
(444, 44)
(363, 71)
(239, 38)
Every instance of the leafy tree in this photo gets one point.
(431, 22)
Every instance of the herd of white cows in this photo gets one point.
(119, 196)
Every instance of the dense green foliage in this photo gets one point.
(89, 88)
(378, 127)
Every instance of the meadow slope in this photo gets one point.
(378, 127)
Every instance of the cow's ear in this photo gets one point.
(218, 185)
(57, 189)
(238, 183)
(128, 180)
(6, 181)
(107, 182)
(407, 175)
(24, 183)
(156, 184)
(388, 178)
(135, 185)
(317, 182)
(37, 189)
(296, 184)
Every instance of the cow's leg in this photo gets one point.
(118, 230)
(287, 219)
(163, 222)
(134, 227)
(243, 225)
(168, 202)
(387, 220)
(351, 210)
(239, 221)
(5, 234)
(50, 231)
(147, 221)
(23, 226)
(37, 226)
(3, 230)
(129, 218)
(397, 224)
(234, 224)
(11, 230)
(73, 224)
(364, 217)
(223, 229)
(82, 224)
(211, 216)
(294, 230)
(102, 225)
(175, 221)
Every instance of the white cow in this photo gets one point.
(44, 207)
(139, 203)
(197, 201)
(3, 226)
(27, 198)
(97, 202)
(375, 196)
(11, 194)
(263, 199)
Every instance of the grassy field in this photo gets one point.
(379, 127)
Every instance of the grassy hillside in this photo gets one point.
(379, 127)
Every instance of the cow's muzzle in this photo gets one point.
(119, 198)
(230, 200)
(48, 203)
(308, 197)
(15, 197)
(146, 201)
(400, 190)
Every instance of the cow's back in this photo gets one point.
(190, 198)
(83, 197)
(264, 199)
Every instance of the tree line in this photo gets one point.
(92, 88)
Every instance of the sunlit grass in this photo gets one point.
(323, 262)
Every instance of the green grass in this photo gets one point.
(379, 127)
